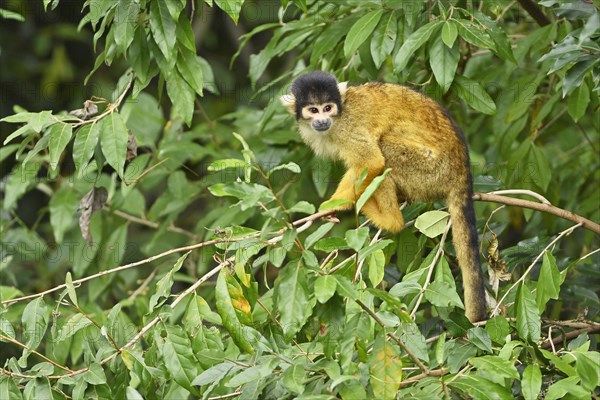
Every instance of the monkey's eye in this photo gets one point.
(313, 110)
(327, 108)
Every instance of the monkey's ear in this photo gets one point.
(343, 88)
(289, 101)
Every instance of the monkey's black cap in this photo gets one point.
(316, 88)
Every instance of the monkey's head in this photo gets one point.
(315, 99)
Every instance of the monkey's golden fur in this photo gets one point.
(391, 126)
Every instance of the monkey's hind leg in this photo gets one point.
(383, 209)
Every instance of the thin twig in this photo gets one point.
(528, 270)
(431, 267)
(23, 345)
(522, 191)
(413, 379)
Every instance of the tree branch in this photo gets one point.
(535, 11)
(547, 208)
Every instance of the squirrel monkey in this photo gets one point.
(379, 126)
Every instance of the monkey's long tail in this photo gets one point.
(465, 239)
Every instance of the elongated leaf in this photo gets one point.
(125, 23)
(449, 33)
(190, 68)
(63, 207)
(441, 294)
(443, 61)
(228, 314)
(588, 368)
(528, 320)
(163, 28)
(531, 383)
(361, 30)
(475, 96)
(86, 139)
(385, 368)
(182, 96)
(578, 102)
(113, 141)
(496, 366)
(163, 286)
(376, 267)
(60, 135)
(474, 34)
(178, 356)
(413, 43)
(370, 190)
(293, 378)
(432, 223)
(384, 38)
(548, 285)
(231, 7)
(480, 388)
(292, 284)
(35, 321)
(325, 288)
(560, 389)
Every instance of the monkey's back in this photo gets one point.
(418, 139)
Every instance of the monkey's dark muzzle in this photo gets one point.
(321, 125)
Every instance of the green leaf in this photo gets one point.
(474, 34)
(190, 68)
(345, 287)
(410, 334)
(449, 33)
(293, 379)
(333, 204)
(578, 102)
(25, 130)
(360, 31)
(35, 321)
(74, 324)
(531, 383)
(443, 61)
(543, 170)
(220, 165)
(231, 7)
(71, 289)
(356, 237)
(113, 141)
(497, 328)
(178, 357)
(588, 369)
(480, 338)
(228, 314)
(318, 234)
(163, 28)
(9, 389)
(370, 190)
(475, 96)
(385, 368)
(376, 267)
(413, 43)
(63, 207)
(125, 23)
(325, 286)
(60, 136)
(548, 284)
(291, 166)
(560, 389)
(384, 39)
(528, 319)
(432, 223)
(575, 75)
(19, 181)
(495, 366)
(7, 14)
(480, 388)
(292, 284)
(441, 294)
(86, 139)
(95, 375)
(164, 285)
(182, 96)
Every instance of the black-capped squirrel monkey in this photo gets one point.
(379, 126)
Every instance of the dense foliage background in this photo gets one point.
(159, 235)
